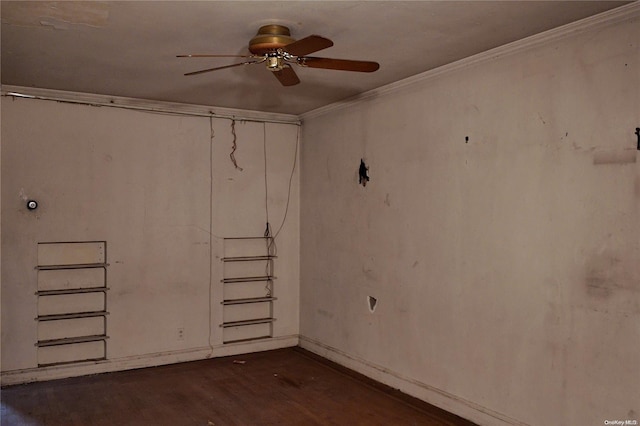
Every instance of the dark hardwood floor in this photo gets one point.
(282, 387)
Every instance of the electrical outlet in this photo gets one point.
(180, 333)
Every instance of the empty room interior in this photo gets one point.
(434, 205)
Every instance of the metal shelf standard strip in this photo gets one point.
(71, 340)
(71, 316)
(248, 279)
(71, 291)
(248, 300)
(247, 258)
(248, 339)
(78, 266)
(247, 322)
(248, 238)
(75, 361)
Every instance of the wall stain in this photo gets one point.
(601, 279)
(553, 317)
(324, 313)
(60, 16)
(369, 273)
(614, 157)
(387, 202)
(542, 119)
(579, 148)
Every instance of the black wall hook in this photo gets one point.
(638, 135)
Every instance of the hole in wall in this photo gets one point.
(372, 302)
(363, 173)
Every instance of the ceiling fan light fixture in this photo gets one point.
(275, 62)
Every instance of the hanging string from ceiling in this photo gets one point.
(272, 247)
(211, 137)
(235, 145)
(293, 169)
(267, 231)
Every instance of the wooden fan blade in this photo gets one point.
(287, 76)
(221, 68)
(212, 56)
(338, 64)
(307, 45)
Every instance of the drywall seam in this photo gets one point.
(415, 388)
(148, 360)
(610, 17)
(147, 105)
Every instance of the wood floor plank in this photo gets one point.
(283, 387)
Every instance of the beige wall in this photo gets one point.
(506, 269)
(163, 193)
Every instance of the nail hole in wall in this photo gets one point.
(372, 301)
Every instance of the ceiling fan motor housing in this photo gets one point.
(270, 38)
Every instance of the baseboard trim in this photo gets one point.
(442, 399)
(15, 377)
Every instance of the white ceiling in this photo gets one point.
(129, 48)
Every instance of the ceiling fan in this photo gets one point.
(274, 46)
